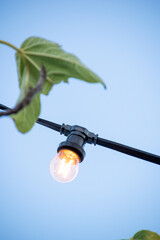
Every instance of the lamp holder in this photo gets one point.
(89, 136)
(77, 137)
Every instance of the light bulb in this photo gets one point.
(64, 167)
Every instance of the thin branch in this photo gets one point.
(28, 98)
(11, 45)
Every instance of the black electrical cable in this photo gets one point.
(49, 124)
(129, 150)
(100, 141)
(3, 107)
(43, 122)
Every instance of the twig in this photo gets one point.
(28, 98)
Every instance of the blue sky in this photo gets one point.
(114, 195)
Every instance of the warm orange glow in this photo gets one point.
(64, 167)
(68, 155)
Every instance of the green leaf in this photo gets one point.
(60, 66)
(145, 235)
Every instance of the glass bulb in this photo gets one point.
(64, 167)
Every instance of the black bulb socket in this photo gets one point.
(75, 142)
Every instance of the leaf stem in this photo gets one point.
(10, 45)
